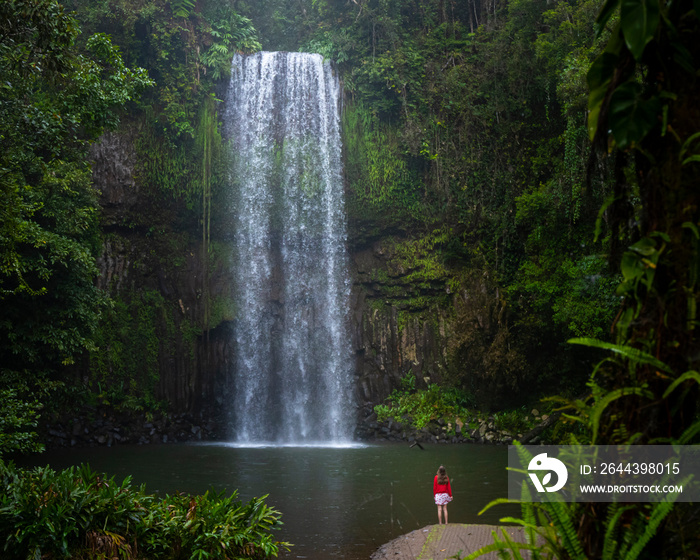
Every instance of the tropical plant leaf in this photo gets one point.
(496, 502)
(607, 10)
(691, 159)
(610, 543)
(631, 266)
(688, 436)
(182, 8)
(639, 20)
(686, 145)
(599, 220)
(645, 247)
(631, 117)
(598, 78)
(602, 70)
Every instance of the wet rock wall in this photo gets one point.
(409, 314)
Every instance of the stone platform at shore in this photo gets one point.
(439, 542)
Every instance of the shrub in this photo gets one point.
(77, 513)
(422, 406)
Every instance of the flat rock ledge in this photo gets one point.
(440, 542)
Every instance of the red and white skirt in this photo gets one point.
(442, 498)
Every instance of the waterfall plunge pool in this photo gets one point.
(337, 502)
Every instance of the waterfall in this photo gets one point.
(292, 373)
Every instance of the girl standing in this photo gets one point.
(442, 492)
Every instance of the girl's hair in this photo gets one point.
(442, 475)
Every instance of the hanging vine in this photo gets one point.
(209, 141)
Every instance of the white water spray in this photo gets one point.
(292, 379)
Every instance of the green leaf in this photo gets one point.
(645, 247)
(608, 8)
(602, 404)
(661, 234)
(686, 145)
(632, 354)
(659, 513)
(610, 543)
(682, 379)
(692, 227)
(598, 78)
(691, 159)
(602, 70)
(599, 220)
(595, 103)
(639, 20)
(688, 436)
(631, 266)
(632, 117)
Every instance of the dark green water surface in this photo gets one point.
(335, 502)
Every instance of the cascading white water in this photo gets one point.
(292, 378)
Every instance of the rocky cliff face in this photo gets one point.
(413, 315)
(400, 324)
(152, 264)
(409, 313)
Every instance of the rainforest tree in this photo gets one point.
(56, 99)
(642, 114)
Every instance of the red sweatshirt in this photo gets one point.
(442, 488)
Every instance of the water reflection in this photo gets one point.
(336, 502)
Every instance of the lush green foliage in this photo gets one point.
(519, 420)
(443, 132)
(77, 513)
(470, 118)
(179, 168)
(419, 407)
(56, 99)
(18, 416)
(642, 89)
(382, 181)
(125, 364)
(185, 47)
(551, 531)
(466, 131)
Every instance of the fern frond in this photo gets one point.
(601, 404)
(562, 517)
(629, 352)
(500, 546)
(610, 544)
(182, 8)
(658, 514)
(685, 377)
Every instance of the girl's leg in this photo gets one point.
(444, 508)
(439, 515)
